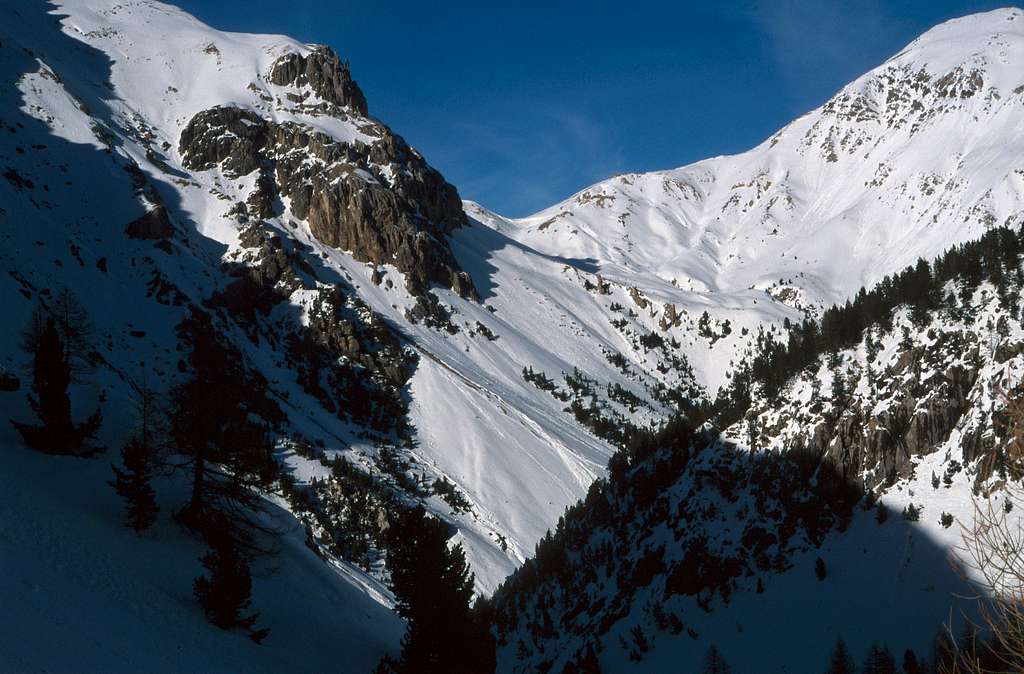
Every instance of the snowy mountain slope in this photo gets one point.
(918, 154)
(93, 161)
(870, 459)
(243, 176)
(115, 602)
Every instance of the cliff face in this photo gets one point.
(874, 413)
(329, 79)
(373, 196)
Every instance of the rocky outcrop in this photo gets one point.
(929, 391)
(896, 97)
(880, 448)
(329, 78)
(671, 318)
(270, 276)
(260, 202)
(153, 225)
(382, 202)
(226, 136)
(344, 354)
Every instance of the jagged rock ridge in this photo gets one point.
(379, 200)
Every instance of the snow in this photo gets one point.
(785, 209)
(115, 602)
(752, 239)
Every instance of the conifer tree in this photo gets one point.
(911, 665)
(714, 663)
(132, 484)
(140, 456)
(879, 661)
(433, 585)
(588, 663)
(819, 569)
(227, 453)
(51, 376)
(225, 594)
(840, 662)
(73, 327)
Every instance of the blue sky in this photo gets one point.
(522, 104)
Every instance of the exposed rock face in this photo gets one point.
(382, 202)
(260, 203)
(227, 136)
(345, 355)
(880, 448)
(671, 319)
(898, 96)
(329, 78)
(270, 276)
(928, 395)
(154, 224)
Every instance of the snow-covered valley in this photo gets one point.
(432, 342)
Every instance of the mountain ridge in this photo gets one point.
(729, 223)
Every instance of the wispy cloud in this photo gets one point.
(820, 43)
(546, 155)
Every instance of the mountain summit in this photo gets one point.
(914, 156)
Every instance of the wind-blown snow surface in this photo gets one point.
(900, 164)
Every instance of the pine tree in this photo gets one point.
(73, 327)
(228, 454)
(819, 569)
(840, 661)
(132, 485)
(879, 661)
(226, 593)
(588, 663)
(911, 665)
(714, 663)
(433, 585)
(912, 513)
(51, 377)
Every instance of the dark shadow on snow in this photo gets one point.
(474, 246)
(692, 539)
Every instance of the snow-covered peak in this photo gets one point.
(915, 156)
(956, 41)
(167, 81)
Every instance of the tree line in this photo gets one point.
(995, 257)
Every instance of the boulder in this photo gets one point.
(153, 225)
